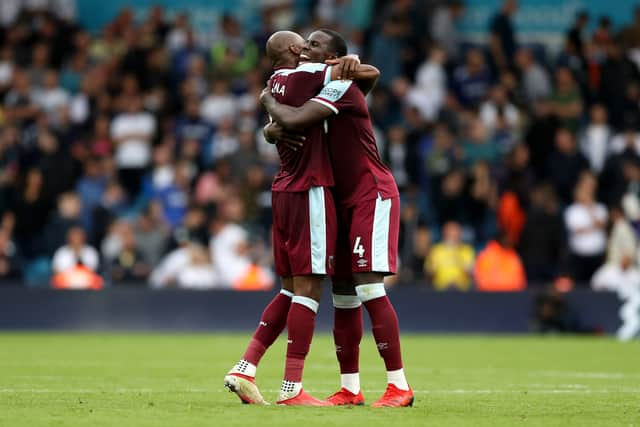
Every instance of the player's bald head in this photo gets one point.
(280, 43)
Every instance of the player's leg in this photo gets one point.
(347, 321)
(374, 255)
(311, 251)
(241, 378)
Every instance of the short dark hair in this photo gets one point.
(337, 44)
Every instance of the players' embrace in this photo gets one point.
(335, 213)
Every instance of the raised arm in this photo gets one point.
(291, 117)
(349, 68)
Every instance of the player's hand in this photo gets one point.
(265, 95)
(347, 66)
(292, 140)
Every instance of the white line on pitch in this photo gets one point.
(204, 390)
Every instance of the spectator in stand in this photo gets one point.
(51, 98)
(565, 165)
(192, 127)
(534, 79)
(19, 102)
(176, 39)
(451, 201)
(596, 138)
(90, 189)
(543, 240)
(76, 251)
(502, 40)
(577, 33)
(58, 167)
(129, 266)
(540, 137)
(11, 262)
(498, 268)
(617, 73)
(31, 209)
(151, 234)
(397, 155)
(479, 146)
(620, 273)
(443, 27)
(132, 132)
(7, 68)
(233, 54)
(199, 272)
(429, 92)
(586, 222)
(66, 217)
(113, 204)
(614, 180)
(450, 262)
(220, 104)
(174, 198)
(438, 156)
(566, 100)
(500, 116)
(386, 49)
(229, 244)
(40, 64)
(472, 80)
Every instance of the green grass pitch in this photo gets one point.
(175, 380)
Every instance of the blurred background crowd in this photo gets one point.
(133, 155)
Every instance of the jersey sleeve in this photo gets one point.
(318, 74)
(335, 96)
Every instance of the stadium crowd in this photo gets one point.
(135, 155)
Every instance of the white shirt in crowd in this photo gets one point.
(65, 258)
(536, 83)
(51, 100)
(589, 242)
(134, 131)
(594, 144)
(489, 115)
(79, 108)
(611, 277)
(622, 242)
(197, 277)
(170, 267)
(429, 91)
(6, 72)
(224, 246)
(215, 108)
(619, 143)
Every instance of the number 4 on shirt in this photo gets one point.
(358, 248)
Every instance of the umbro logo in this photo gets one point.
(289, 341)
(263, 323)
(362, 263)
(382, 345)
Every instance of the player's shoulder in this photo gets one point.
(311, 67)
(336, 89)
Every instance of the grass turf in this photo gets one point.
(175, 380)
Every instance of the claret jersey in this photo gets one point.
(310, 165)
(358, 171)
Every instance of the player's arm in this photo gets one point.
(296, 118)
(275, 133)
(349, 68)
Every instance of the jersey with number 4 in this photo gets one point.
(358, 171)
(310, 165)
